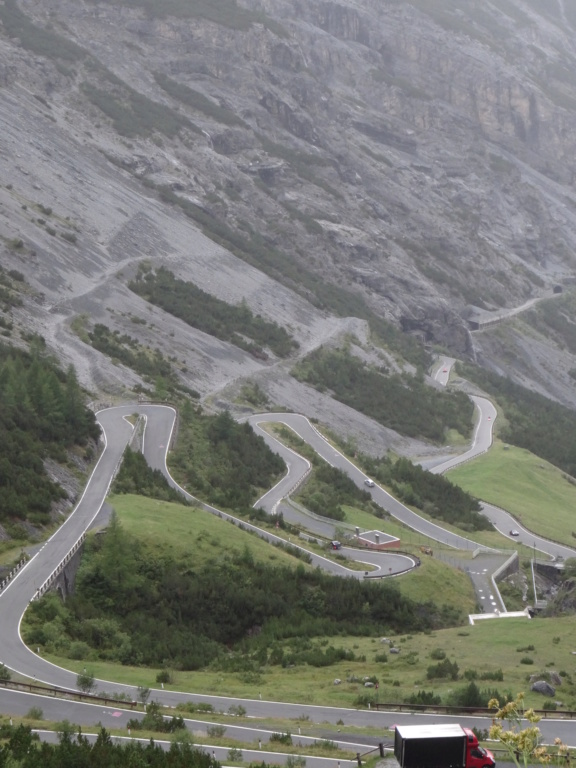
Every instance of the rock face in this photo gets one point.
(422, 158)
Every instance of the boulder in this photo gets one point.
(541, 686)
(555, 679)
(337, 681)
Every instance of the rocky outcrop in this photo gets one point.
(420, 156)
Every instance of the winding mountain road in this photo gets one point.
(118, 429)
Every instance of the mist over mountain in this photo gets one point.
(324, 163)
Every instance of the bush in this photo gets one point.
(192, 706)
(79, 650)
(66, 728)
(35, 713)
(85, 682)
(496, 675)
(437, 654)
(526, 660)
(469, 696)
(295, 761)
(5, 673)
(216, 731)
(143, 694)
(364, 700)
(281, 738)
(424, 697)
(444, 669)
(550, 705)
(154, 721)
(164, 677)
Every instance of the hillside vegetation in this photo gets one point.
(538, 494)
(404, 403)
(436, 665)
(194, 306)
(137, 605)
(21, 744)
(42, 416)
(328, 489)
(544, 427)
(437, 496)
(221, 461)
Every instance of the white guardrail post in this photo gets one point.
(59, 568)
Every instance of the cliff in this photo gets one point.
(418, 155)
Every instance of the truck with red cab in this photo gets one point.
(445, 745)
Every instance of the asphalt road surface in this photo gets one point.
(160, 421)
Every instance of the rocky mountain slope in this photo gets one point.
(415, 157)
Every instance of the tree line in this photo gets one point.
(120, 346)
(234, 323)
(23, 749)
(402, 402)
(42, 414)
(433, 494)
(136, 476)
(222, 461)
(139, 607)
(329, 489)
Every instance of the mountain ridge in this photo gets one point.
(413, 159)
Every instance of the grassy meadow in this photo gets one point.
(540, 496)
(488, 646)
(191, 534)
(518, 647)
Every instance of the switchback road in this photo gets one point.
(159, 425)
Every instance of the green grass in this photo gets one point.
(539, 495)
(183, 530)
(170, 526)
(438, 582)
(486, 647)
(11, 552)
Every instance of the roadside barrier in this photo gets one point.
(59, 568)
(44, 690)
(568, 714)
(4, 583)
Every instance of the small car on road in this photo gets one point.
(369, 483)
(514, 532)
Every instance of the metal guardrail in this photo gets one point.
(59, 568)
(43, 690)
(4, 583)
(568, 714)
